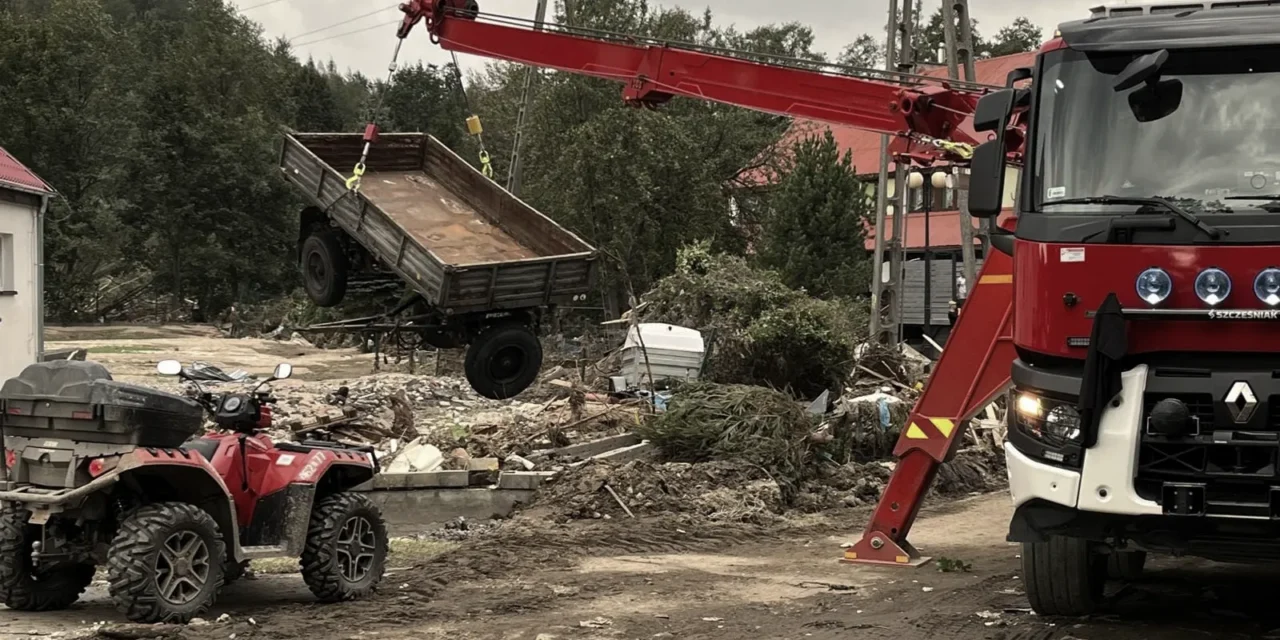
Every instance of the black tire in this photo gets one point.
(324, 268)
(143, 553)
(28, 588)
(345, 527)
(1063, 577)
(503, 361)
(1126, 565)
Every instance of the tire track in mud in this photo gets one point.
(518, 546)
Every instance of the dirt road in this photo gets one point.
(665, 579)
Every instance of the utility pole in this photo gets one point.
(886, 297)
(526, 96)
(958, 31)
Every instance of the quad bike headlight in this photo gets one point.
(1154, 285)
(1213, 285)
(1267, 286)
(232, 403)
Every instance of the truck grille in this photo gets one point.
(1200, 405)
(1237, 468)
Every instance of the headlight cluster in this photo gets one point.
(1212, 286)
(1048, 420)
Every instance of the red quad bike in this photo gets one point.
(101, 473)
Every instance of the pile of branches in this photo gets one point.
(760, 331)
(753, 425)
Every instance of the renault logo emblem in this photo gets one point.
(1241, 402)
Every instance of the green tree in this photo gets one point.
(815, 232)
(866, 52)
(1020, 36)
(66, 109)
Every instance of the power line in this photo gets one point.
(344, 34)
(347, 21)
(259, 5)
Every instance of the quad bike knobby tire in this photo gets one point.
(166, 563)
(503, 361)
(346, 551)
(1063, 576)
(324, 268)
(25, 587)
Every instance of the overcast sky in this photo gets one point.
(835, 23)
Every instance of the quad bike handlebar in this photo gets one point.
(239, 412)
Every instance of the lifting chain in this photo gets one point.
(371, 129)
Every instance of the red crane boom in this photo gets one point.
(924, 118)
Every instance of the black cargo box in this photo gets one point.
(80, 401)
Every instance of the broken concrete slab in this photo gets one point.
(588, 449)
(624, 454)
(422, 480)
(523, 480)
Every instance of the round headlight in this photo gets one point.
(1213, 286)
(231, 403)
(1063, 422)
(1267, 286)
(1154, 285)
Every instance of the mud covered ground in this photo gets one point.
(664, 578)
(729, 569)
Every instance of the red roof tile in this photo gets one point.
(14, 175)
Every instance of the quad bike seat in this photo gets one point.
(203, 446)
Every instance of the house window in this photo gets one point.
(6, 264)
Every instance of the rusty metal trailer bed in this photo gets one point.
(486, 264)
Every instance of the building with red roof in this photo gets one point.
(944, 218)
(24, 197)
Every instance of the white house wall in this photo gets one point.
(19, 320)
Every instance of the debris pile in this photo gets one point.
(718, 491)
(760, 331)
(739, 423)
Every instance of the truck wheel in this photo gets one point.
(1063, 577)
(1126, 565)
(166, 563)
(28, 588)
(324, 268)
(346, 551)
(503, 361)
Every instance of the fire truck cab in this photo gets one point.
(1145, 408)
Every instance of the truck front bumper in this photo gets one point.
(1104, 481)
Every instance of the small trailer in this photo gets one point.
(484, 265)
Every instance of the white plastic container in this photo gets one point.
(672, 353)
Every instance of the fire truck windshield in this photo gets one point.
(1204, 133)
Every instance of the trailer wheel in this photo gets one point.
(324, 268)
(503, 361)
(1063, 577)
(1126, 565)
(24, 587)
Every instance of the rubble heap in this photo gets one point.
(737, 423)
(717, 491)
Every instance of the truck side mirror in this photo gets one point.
(993, 110)
(986, 179)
